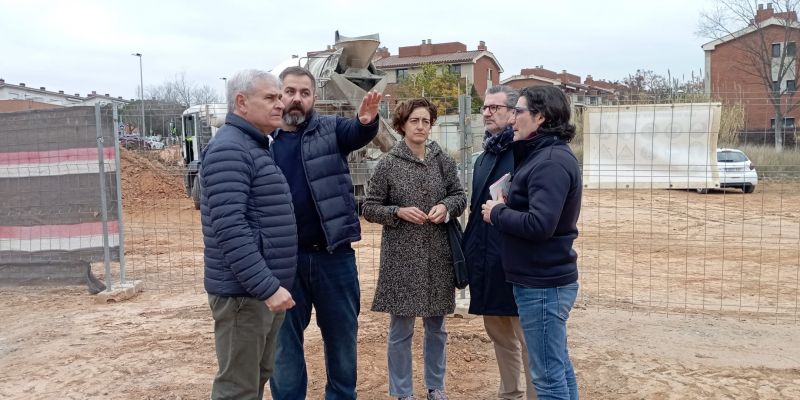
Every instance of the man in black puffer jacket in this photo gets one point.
(312, 150)
(250, 237)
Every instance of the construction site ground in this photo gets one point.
(57, 342)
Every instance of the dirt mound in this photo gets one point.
(146, 179)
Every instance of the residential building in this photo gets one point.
(24, 93)
(477, 68)
(734, 64)
(588, 92)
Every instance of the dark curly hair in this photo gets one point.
(554, 106)
(406, 107)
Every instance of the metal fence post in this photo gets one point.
(118, 175)
(464, 106)
(103, 201)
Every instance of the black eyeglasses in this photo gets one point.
(493, 108)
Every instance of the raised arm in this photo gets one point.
(355, 133)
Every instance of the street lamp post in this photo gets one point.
(143, 131)
(225, 89)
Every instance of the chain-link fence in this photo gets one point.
(60, 199)
(642, 247)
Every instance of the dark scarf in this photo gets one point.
(495, 144)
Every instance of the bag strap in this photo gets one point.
(441, 164)
(453, 220)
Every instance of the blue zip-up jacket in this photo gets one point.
(249, 229)
(539, 219)
(489, 292)
(327, 140)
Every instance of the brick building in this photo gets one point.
(733, 65)
(478, 68)
(586, 92)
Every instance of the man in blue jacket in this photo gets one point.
(312, 151)
(250, 237)
(490, 294)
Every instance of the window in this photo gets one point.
(791, 86)
(489, 74)
(776, 87)
(454, 68)
(401, 74)
(788, 123)
(791, 49)
(776, 50)
(731, 156)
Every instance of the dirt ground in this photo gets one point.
(56, 343)
(683, 296)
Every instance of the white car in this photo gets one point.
(736, 170)
(154, 143)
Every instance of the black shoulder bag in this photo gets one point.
(455, 235)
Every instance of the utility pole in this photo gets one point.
(143, 131)
(225, 89)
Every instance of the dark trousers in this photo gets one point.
(329, 283)
(245, 334)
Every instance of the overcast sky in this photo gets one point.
(79, 46)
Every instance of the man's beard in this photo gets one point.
(294, 119)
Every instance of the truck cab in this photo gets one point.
(200, 123)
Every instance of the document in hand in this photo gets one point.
(499, 189)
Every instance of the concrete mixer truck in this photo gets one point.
(344, 73)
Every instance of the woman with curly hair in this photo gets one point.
(415, 190)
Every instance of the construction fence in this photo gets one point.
(644, 245)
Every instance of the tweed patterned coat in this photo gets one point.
(416, 272)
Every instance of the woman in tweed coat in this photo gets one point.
(414, 191)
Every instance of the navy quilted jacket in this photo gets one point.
(327, 141)
(249, 229)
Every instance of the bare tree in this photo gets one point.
(181, 91)
(757, 31)
(205, 94)
(646, 85)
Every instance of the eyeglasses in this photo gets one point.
(518, 110)
(494, 107)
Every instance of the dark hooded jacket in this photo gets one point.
(539, 220)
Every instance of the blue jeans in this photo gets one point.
(401, 330)
(543, 314)
(329, 282)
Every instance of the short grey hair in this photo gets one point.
(244, 82)
(512, 95)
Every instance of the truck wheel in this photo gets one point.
(188, 180)
(196, 192)
(749, 188)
